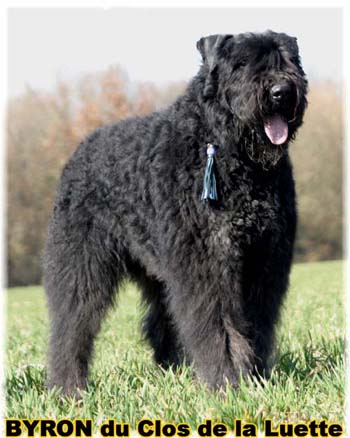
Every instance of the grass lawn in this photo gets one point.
(307, 382)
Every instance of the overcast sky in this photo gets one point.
(159, 45)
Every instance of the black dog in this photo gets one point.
(212, 258)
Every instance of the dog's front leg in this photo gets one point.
(213, 331)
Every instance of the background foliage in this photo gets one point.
(44, 129)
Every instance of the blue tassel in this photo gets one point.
(209, 183)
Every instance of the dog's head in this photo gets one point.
(259, 79)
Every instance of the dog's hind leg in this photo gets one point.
(158, 326)
(80, 276)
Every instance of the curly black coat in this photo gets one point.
(213, 273)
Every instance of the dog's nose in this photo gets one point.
(279, 91)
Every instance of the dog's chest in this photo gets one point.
(248, 216)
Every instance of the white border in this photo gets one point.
(346, 198)
(3, 264)
(183, 4)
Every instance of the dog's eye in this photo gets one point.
(240, 64)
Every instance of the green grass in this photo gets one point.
(307, 381)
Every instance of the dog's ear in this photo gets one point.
(209, 47)
(291, 43)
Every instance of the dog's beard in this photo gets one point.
(261, 152)
(269, 131)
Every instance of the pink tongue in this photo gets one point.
(276, 129)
